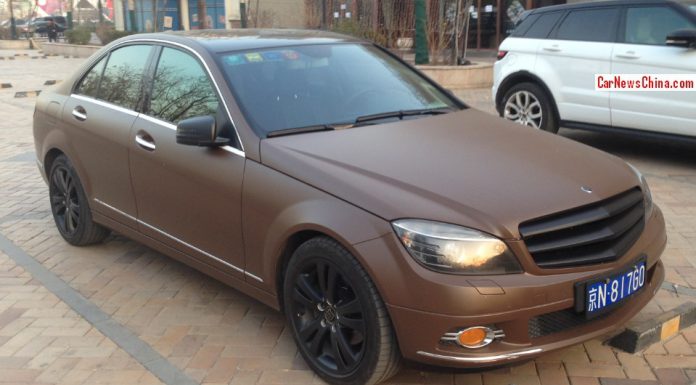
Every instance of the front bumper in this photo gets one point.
(425, 305)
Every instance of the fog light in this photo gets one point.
(473, 337)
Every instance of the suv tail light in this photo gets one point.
(502, 54)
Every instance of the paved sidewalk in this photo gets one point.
(122, 313)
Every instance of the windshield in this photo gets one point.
(691, 4)
(313, 85)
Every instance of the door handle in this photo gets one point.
(628, 55)
(553, 48)
(144, 140)
(79, 113)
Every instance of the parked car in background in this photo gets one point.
(545, 75)
(39, 25)
(328, 179)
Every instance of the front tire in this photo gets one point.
(69, 206)
(338, 319)
(529, 105)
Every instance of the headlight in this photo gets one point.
(647, 195)
(455, 249)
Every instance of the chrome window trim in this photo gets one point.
(173, 127)
(499, 357)
(240, 151)
(178, 240)
(104, 104)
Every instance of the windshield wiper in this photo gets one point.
(400, 114)
(300, 130)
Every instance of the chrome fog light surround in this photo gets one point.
(489, 335)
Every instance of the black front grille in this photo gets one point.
(555, 322)
(597, 233)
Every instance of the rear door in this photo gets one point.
(188, 197)
(579, 47)
(100, 113)
(643, 51)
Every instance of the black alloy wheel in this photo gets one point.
(339, 321)
(64, 200)
(329, 318)
(69, 205)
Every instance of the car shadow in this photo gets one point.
(653, 150)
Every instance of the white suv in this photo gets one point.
(545, 75)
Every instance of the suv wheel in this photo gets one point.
(338, 319)
(529, 105)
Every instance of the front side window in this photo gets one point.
(122, 81)
(324, 84)
(596, 25)
(89, 85)
(652, 25)
(181, 88)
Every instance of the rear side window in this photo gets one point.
(89, 85)
(523, 26)
(543, 25)
(651, 25)
(122, 81)
(597, 25)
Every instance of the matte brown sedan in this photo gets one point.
(329, 180)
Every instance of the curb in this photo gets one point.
(661, 328)
(51, 82)
(6, 85)
(26, 94)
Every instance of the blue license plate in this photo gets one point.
(603, 294)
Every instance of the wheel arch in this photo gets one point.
(523, 77)
(291, 244)
(49, 158)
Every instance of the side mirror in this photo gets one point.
(199, 131)
(684, 38)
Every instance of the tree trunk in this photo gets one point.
(202, 15)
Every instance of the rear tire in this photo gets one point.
(529, 105)
(338, 319)
(70, 207)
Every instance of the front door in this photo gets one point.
(188, 197)
(643, 51)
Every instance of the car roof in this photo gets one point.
(595, 4)
(216, 40)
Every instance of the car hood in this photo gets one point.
(466, 168)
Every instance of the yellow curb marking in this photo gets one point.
(670, 328)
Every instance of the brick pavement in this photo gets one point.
(216, 335)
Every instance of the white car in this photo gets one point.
(545, 75)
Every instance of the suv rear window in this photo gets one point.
(543, 25)
(598, 25)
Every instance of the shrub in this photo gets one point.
(107, 33)
(357, 29)
(78, 35)
(5, 33)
